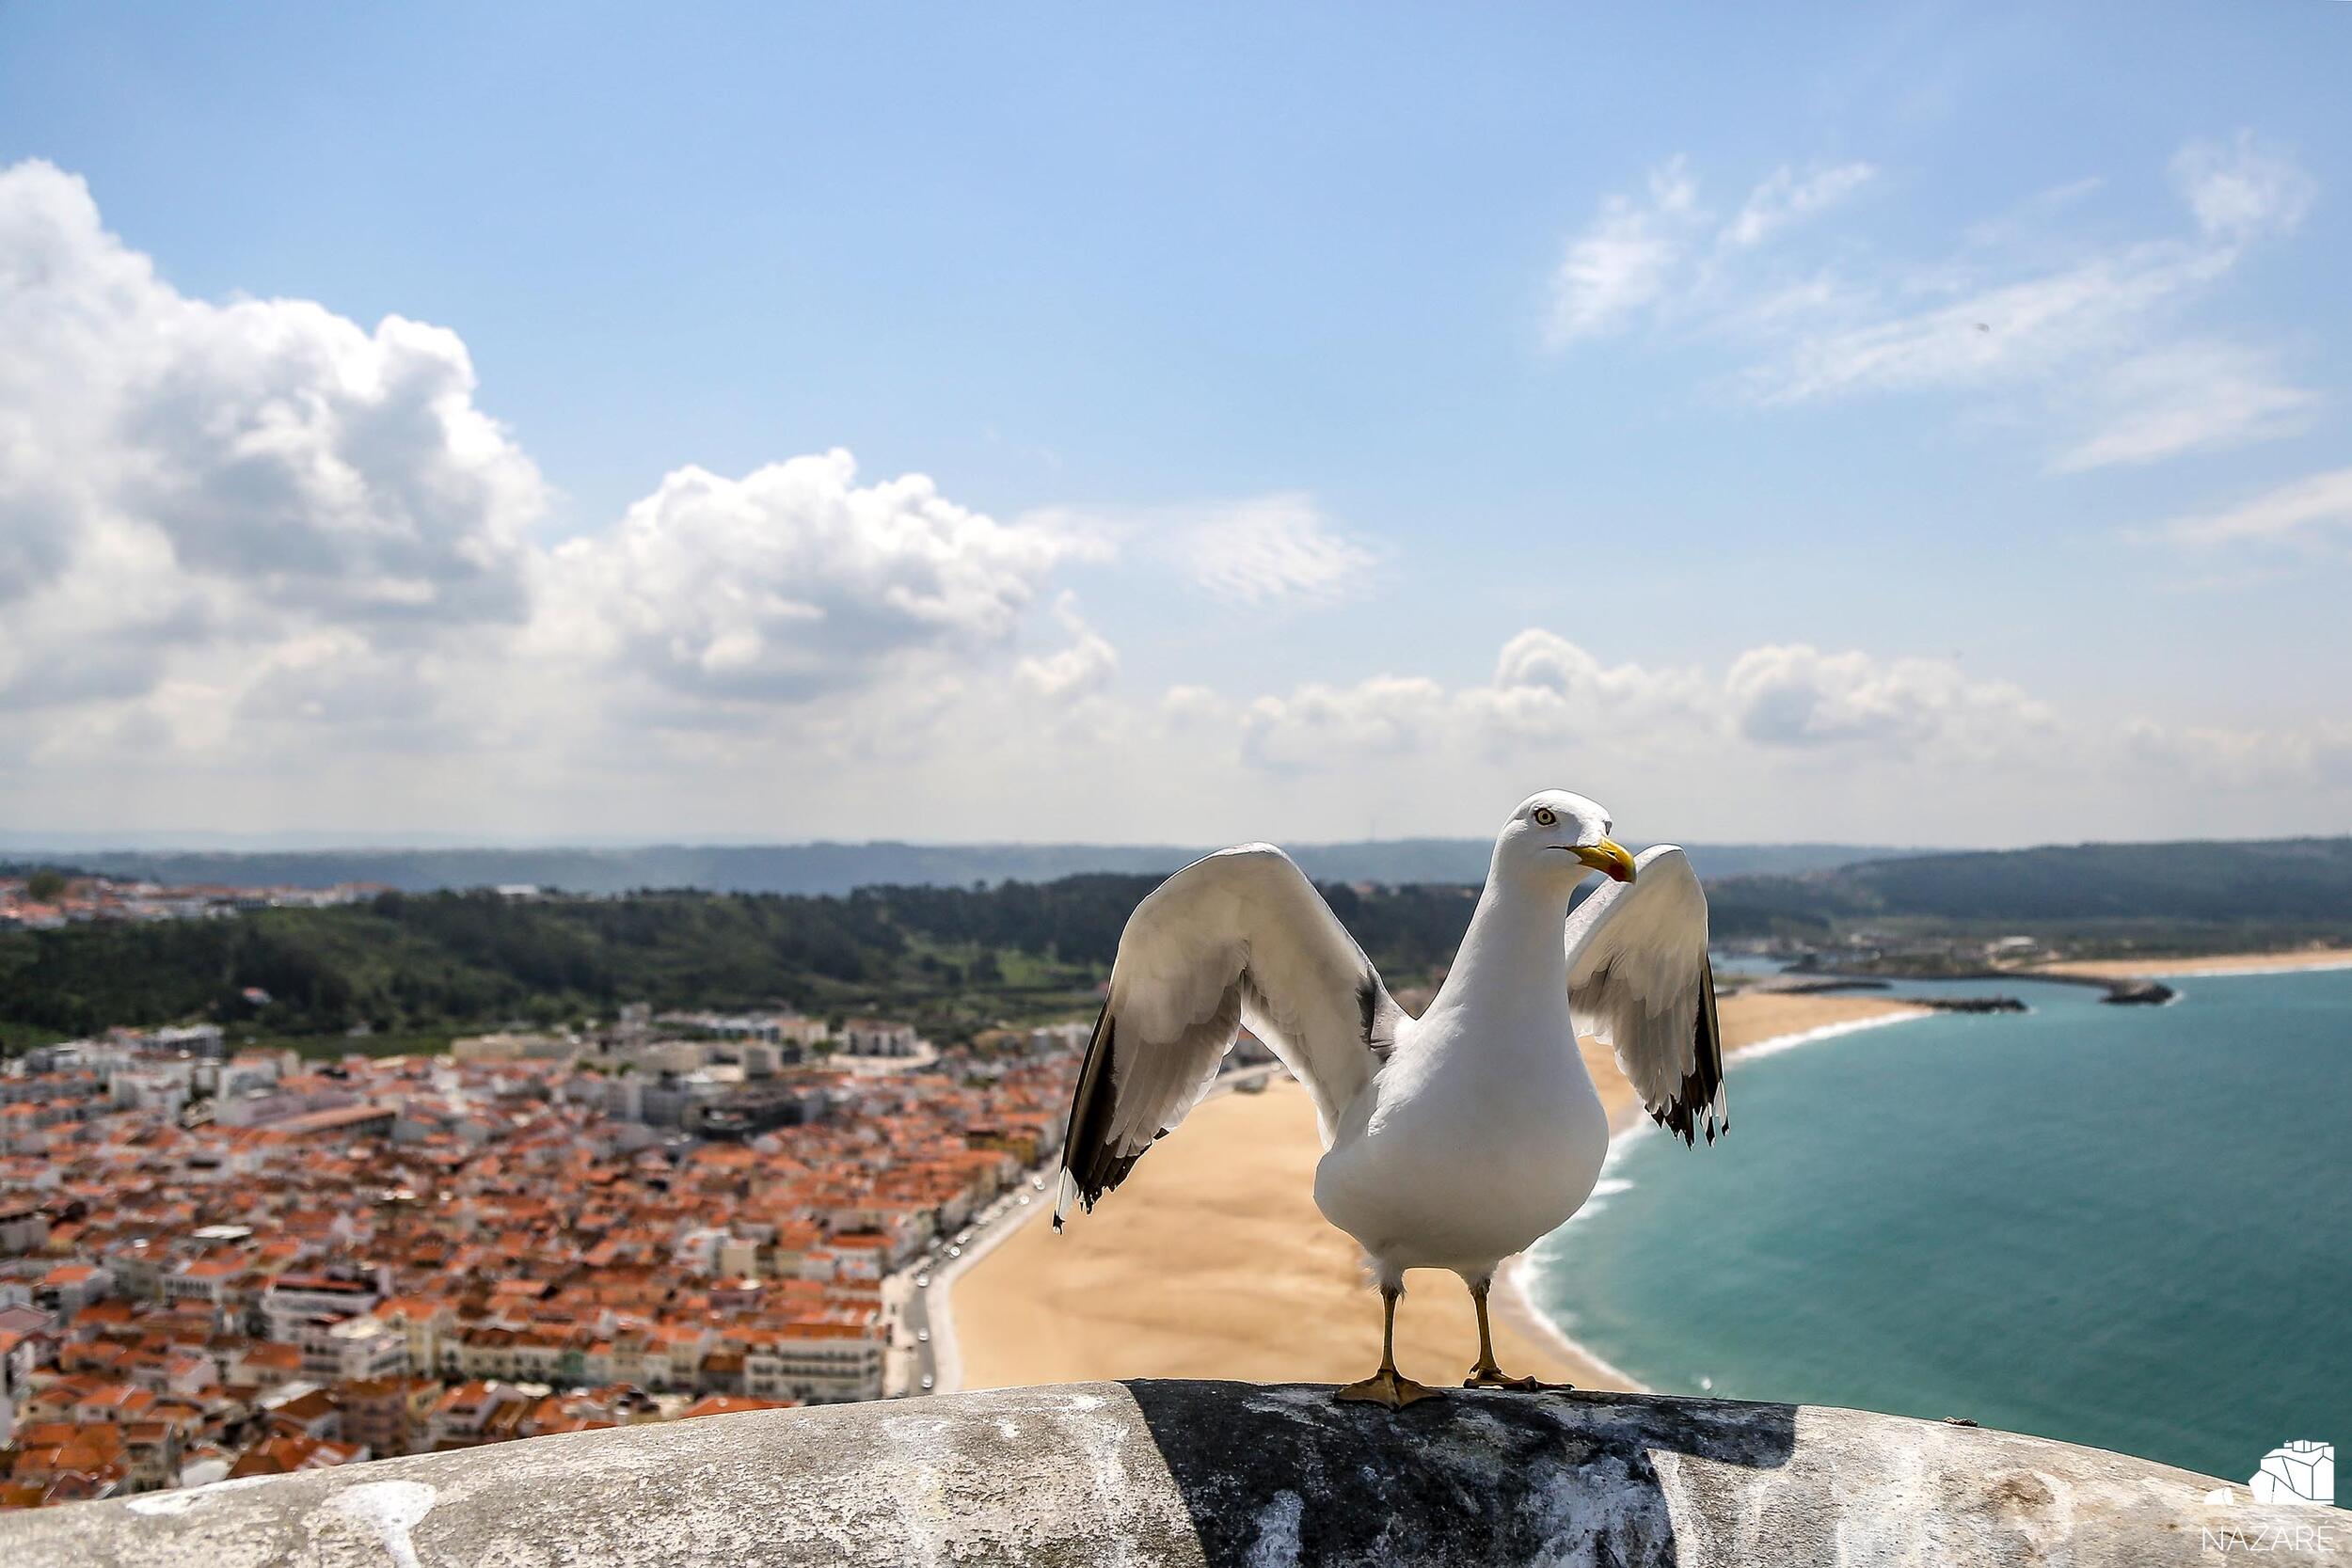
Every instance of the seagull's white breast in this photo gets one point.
(1482, 1134)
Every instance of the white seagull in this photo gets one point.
(1450, 1141)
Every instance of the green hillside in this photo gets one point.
(2192, 896)
(956, 959)
(419, 965)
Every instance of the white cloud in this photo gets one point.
(1194, 708)
(1649, 255)
(263, 567)
(2242, 188)
(235, 530)
(792, 582)
(1622, 261)
(2054, 331)
(1797, 696)
(1320, 725)
(1268, 550)
(2309, 510)
(270, 442)
(2311, 756)
(1786, 198)
(1547, 688)
(2095, 311)
(2088, 342)
(1550, 697)
(1082, 668)
(1259, 551)
(2004, 334)
(2190, 397)
(177, 477)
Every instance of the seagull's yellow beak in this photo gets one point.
(1608, 857)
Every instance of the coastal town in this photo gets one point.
(218, 1262)
(45, 900)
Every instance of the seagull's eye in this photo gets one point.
(1545, 817)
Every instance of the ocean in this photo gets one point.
(2124, 1227)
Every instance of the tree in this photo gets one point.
(44, 887)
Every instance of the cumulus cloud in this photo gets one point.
(228, 527)
(1795, 695)
(177, 475)
(1320, 725)
(1550, 697)
(792, 582)
(1082, 668)
(267, 442)
(1547, 688)
(257, 544)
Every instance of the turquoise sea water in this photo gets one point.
(2125, 1227)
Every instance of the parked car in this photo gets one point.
(922, 1282)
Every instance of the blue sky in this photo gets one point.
(1927, 425)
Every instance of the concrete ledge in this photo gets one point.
(1148, 1473)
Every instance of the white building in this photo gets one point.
(878, 1036)
(817, 1363)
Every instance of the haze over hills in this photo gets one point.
(956, 957)
(836, 868)
(2277, 882)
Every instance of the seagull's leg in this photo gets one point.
(1486, 1374)
(1387, 1385)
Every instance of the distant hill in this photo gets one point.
(838, 868)
(2274, 883)
(956, 957)
(405, 966)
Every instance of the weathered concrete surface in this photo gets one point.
(1147, 1474)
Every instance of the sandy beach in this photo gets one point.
(1213, 1261)
(2218, 963)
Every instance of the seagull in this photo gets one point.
(1450, 1141)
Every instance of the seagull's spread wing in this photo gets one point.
(1639, 980)
(1241, 936)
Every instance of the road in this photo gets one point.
(914, 1340)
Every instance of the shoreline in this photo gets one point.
(2209, 966)
(1626, 1126)
(1213, 1260)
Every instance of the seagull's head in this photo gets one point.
(1557, 835)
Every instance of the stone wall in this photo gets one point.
(1148, 1474)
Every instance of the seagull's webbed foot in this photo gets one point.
(1493, 1377)
(1387, 1387)
(1486, 1374)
